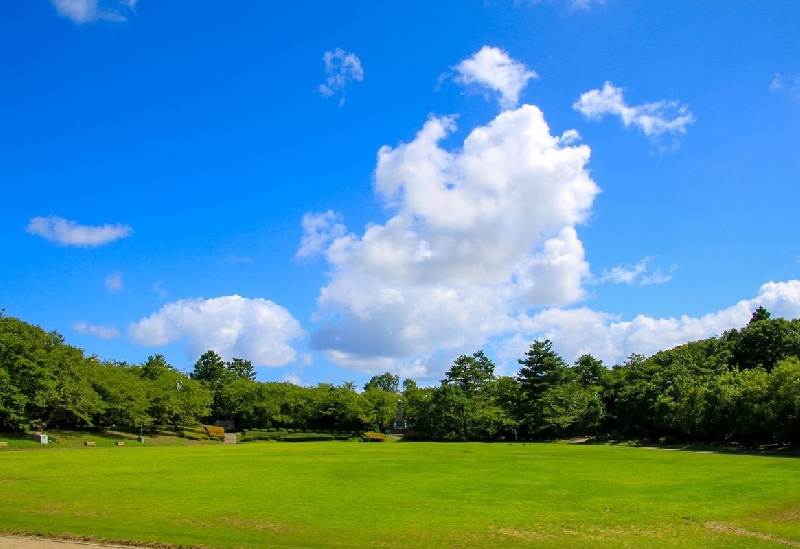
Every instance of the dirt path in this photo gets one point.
(39, 543)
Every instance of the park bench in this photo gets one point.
(3, 444)
(120, 443)
(89, 443)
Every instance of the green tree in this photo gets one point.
(590, 371)
(241, 368)
(541, 369)
(463, 390)
(178, 400)
(381, 407)
(765, 341)
(470, 373)
(124, 392)
(212, 372)
(385, 382)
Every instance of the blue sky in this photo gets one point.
(334, 191)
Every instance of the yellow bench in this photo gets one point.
(87, 443)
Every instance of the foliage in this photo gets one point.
(741, 387)
(386, 382)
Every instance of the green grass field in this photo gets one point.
(345, 494)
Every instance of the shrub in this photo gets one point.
(199, 430)
(307, 437)
(213, 430)
(290, 431)
(166, 433)
(271, 430)
(254, 435)
(192, 436)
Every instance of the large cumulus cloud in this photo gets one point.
(475, 235)
(233, 326)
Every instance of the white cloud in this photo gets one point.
(654, 119)
(584, 4)
(635, 274)
(318, 231)
(157, 288)
(475, 234)
(492, 68)
(292, 378)
(255, 329)
(114, 282)
(103, 332)
(576, 5)
(578, 331)
(789, 83)
(341, 67)
(233, 258)
(88, 11)
(69, 233)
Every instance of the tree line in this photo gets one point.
(742, 386)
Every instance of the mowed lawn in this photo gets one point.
(346, 494)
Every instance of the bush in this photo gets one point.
(254, 435)
(290, 431)
(214, 431)
(166, 433)
(307, 437)
(198, 430)
(271, 430)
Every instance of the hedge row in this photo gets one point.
(250, 435)
(272, 430)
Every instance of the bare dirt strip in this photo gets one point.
(40, 543)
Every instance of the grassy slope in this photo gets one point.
(74, 439)
(403, 495)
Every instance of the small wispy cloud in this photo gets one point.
(654, 119)
(114, 283)
(102, 332)
(494, 69)
(233, 258)
(341, 67)
(318, 231)
(574, 5)
(162, 293)
(584, 4)
(70, 233)
(637, 274)
(89, 11)
(292, 378)
(788, 83)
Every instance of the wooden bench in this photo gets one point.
(3, 444)
(88, 443)
(120, 443)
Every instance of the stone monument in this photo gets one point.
(399, 423)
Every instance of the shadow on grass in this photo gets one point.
(773, 450)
